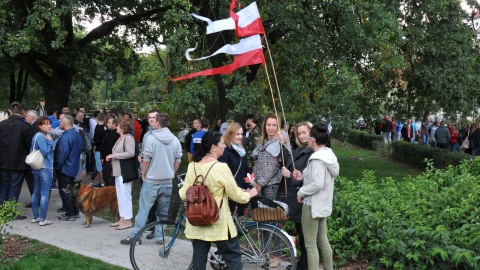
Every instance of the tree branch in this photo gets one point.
(32, 67)
(107, 28)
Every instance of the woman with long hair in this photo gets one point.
(267, 170)
(222, 185)
(236, 159)
(42, 178)
(299, 162)
(124, 148)
(316, 194)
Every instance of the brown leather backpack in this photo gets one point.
(202, 209)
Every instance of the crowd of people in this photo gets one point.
(291, 164)
(437, 133)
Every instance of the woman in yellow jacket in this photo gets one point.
(222, 185)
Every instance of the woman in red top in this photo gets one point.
(454, 145)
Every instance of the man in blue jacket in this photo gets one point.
(67, 162)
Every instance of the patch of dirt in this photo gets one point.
(13, 247)
(354, 266)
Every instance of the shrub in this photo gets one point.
(415, 154)
(8, 212)
(431, 221)
(364, 139)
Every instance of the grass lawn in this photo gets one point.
(353, 161)
(42, 256)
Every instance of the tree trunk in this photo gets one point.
(12, 86)
(58, 89)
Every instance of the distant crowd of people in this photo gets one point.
(439, 133)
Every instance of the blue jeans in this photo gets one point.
(10, 185)
(424, 139)
(42, 183)
(98, 161)
(64, 190)
(149, 194)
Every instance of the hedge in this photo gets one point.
(415, 155)
(364, 139)
(431, 221)
(408, 153)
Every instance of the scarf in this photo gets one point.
(239, 148)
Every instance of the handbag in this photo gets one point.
(202, 209)
(466, 143)
(129, 167)
(35, 159)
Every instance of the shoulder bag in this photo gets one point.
(202, 209)
(465, 143)
(129, 167)
(35, 159)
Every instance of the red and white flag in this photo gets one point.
(246, 22)
(245, 45)
(248, 51)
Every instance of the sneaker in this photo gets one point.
(150, 235)
(66, 218)
(159, 241)
(77, 215)
(61, 210)
(54, 188)
(99, 185)
(129, 240)
(35, 220)
(45, 222)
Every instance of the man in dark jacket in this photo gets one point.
(442, 136)
(15, 144)
(66, 164)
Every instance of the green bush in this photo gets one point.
(415, 155)
(364, 139)
(431, 221)
(8, 212)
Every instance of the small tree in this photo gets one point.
(8, 212)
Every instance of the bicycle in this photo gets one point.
(257, 244)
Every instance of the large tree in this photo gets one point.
(40, 35)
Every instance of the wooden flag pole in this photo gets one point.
(279, 94)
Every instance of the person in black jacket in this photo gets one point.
(98, 137)
(300, 161)
(236, 159)
(109, 141)
(15, 145)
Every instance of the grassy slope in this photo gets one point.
(351, 166)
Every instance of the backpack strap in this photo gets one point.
(203, 180)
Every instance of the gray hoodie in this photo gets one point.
(318, 180)
(163, 150)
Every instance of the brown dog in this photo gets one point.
(90, 200)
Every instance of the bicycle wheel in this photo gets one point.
(263, 244)
(154, 253)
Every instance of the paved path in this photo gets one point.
(99, 241)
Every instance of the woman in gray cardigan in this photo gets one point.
(124, 148)
(316, 194)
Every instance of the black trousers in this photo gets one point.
(229, 249)
(30, 181)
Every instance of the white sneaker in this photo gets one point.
(35, 220)
(45, 222)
